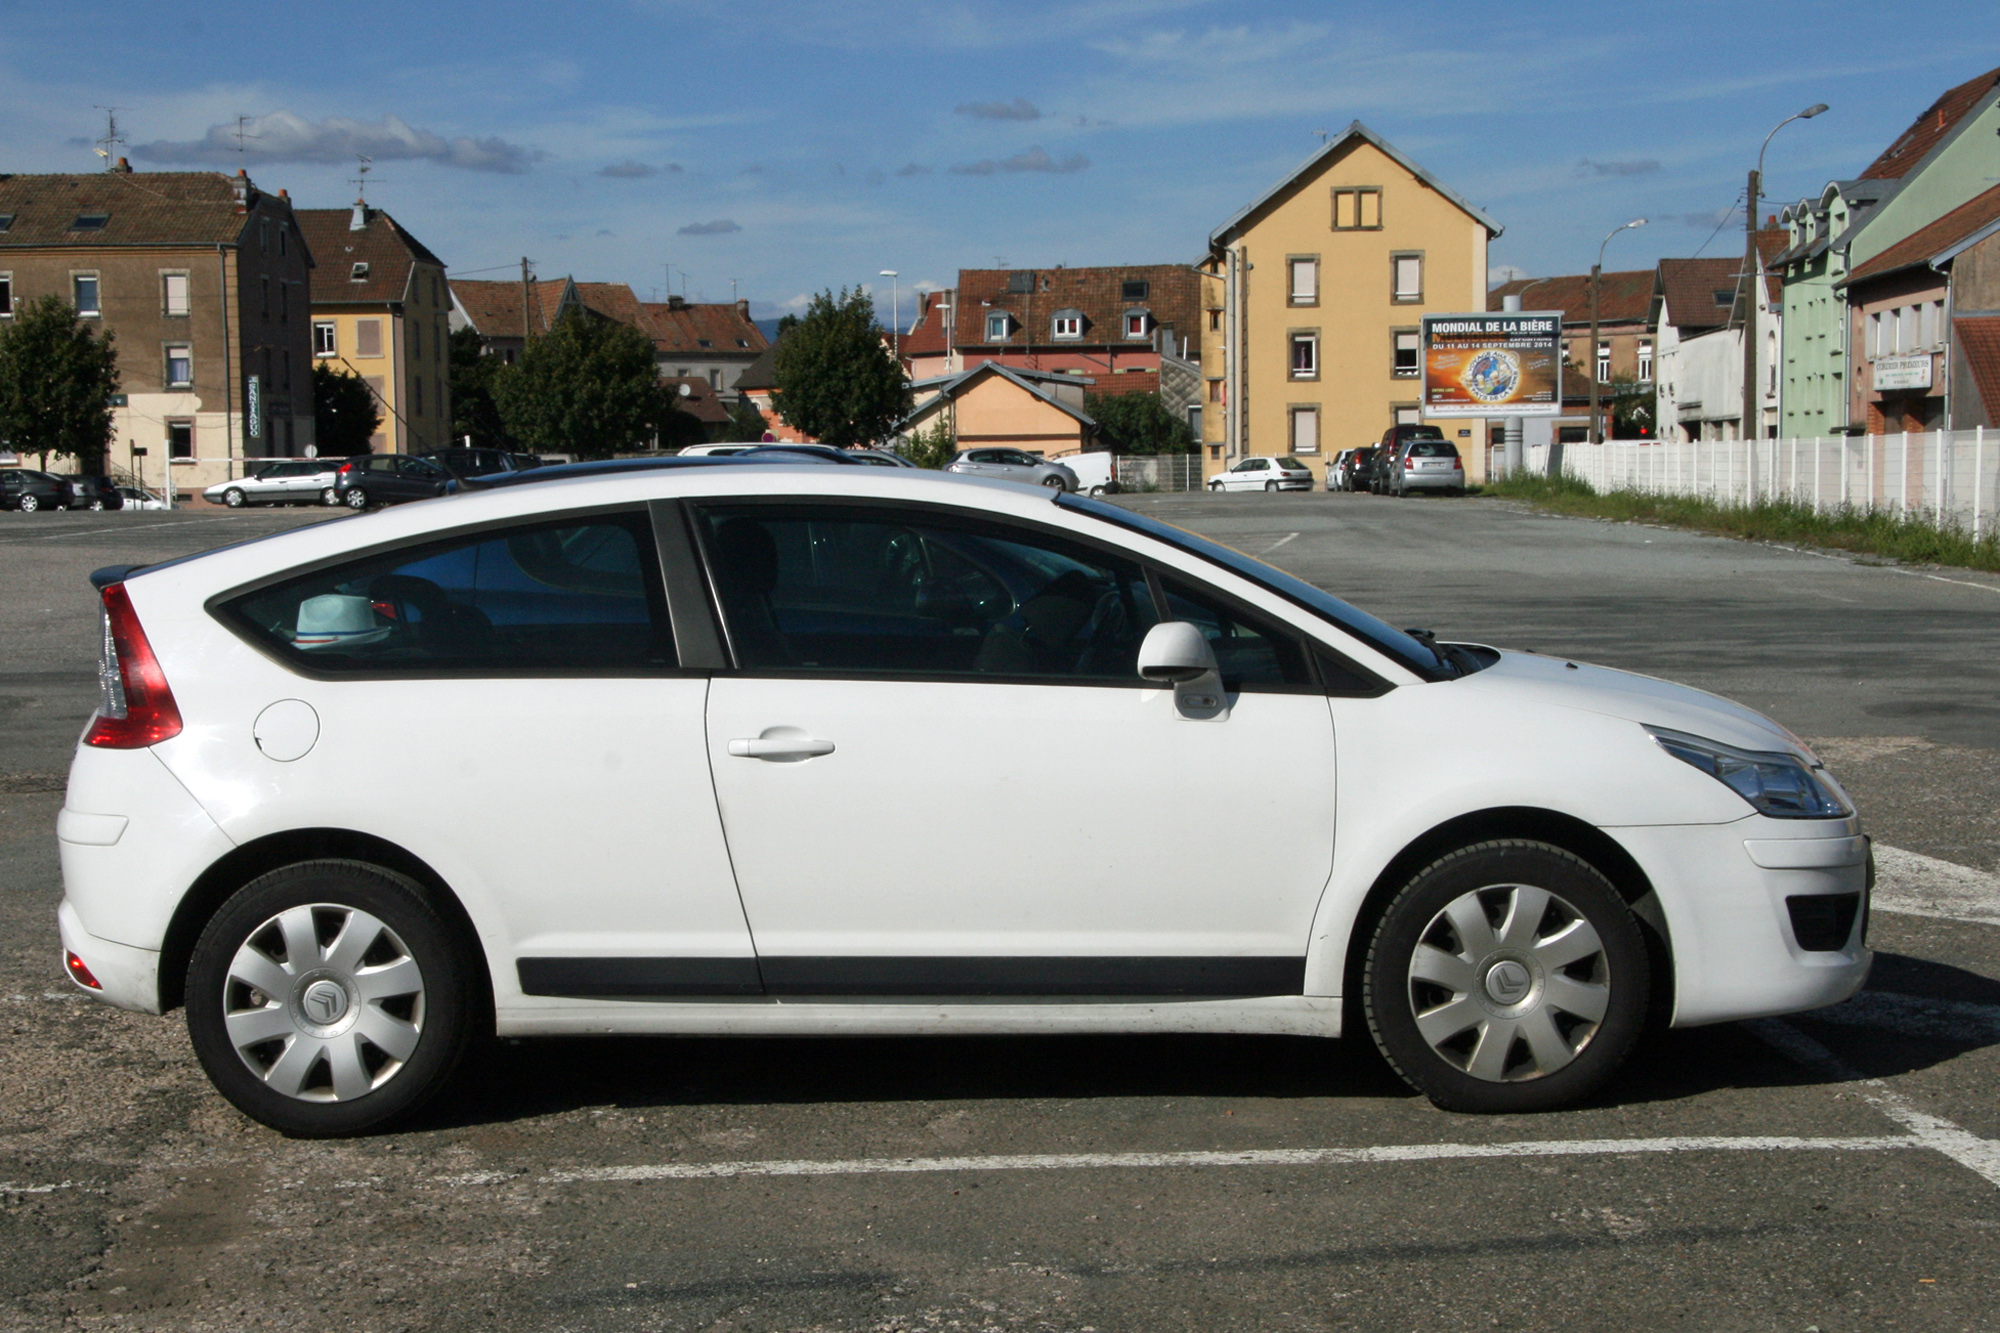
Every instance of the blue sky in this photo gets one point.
(797, 146)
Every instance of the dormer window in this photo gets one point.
(359, 273)
(703, 342)
(6, 222)
(90, 222)
(1724, 296)
(1067, 324)
(1138, 323)
(998, 325)
(742, 342)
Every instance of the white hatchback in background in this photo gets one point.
(1264, 473)
(290, 481)
(1013, 465)
(296, 811)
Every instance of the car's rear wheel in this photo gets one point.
(1270, 485)
(329, 496)
(1508, 976)
(328, 998)
(356, 498)
(1096, 491)
(234, 498)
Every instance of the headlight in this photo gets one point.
(1774, 783)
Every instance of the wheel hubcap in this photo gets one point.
(1509, 983)
(323, 1003)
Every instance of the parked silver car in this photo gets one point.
(1013, 465)
(290, 481)
(1425, 465)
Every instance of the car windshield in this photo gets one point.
(1411, 652)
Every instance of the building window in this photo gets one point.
(281, 239)
(1215, 321)
(180, 366)
(174, 293)
(1305, 430)
(1215, 391)
(1724, 297)
(1357, 208)
(284, 301)
(6, 296)
(367, 337)
(1408, 414)
(1873, 341)
(1069, 324)
(325, 341)
(84, 285)
(1305, 356)
(1138, 323)
(359, 273)
(288, 360)
(1645, 362)
(1408, 272)
(1135, 289)
(90, 222)
(417, 396)
(1604, 363)
(264, 235)
(1407, 354)
(180, 439)
(997, 325)
(416, 341)
(264, 297)
(715, 380)
(1304, 285)
(1928, 337)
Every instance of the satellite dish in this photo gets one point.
(687, 390)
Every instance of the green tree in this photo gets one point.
(834, 379)
(588, 387)
(1138, 423)
(473, 411)
(57, 376)
(933, 446)
(746, 423)
(345, 412)
(1631, 409)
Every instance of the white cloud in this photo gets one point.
(284, 137)
(1035, 159)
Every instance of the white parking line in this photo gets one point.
(1290, 536)
(1961, 1145)
(1411, 1152)
(1913, 884)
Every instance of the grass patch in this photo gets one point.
(1844, 528)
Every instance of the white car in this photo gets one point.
(290, 481)
(1264, 473)
(298, 809)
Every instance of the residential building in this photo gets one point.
(506, 314)
(1696, 312)
(381, 310)
(1904, 305)
(1625, 343)
(993, 403)
(204, 281)
(926, 347)
(759, 383)
(1311, 303)
(1940, 163)
(697, 340)
(696, 396)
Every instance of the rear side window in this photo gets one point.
(581, 595)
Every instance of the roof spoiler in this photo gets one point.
(101, 579)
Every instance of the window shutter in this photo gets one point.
(368, 337)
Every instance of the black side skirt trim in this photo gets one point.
(1039, 977)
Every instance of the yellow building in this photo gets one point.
(1311, 298)
(380, 310)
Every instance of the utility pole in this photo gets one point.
(1753, 278)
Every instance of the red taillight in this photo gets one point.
(79, 972)
(137, 709)
(1410, 464)
(345, 468)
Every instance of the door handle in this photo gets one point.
(779, 747)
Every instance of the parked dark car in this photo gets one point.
(28, 490)
(1361, 468)
(472, 462)
(83, 491)
(385, 479)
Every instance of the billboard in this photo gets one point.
(1493, 364)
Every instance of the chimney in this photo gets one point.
(242, 187)
(124, 165)
(676, 302)
(359, 222)
(742, 310)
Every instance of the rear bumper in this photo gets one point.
(128, 978)
(1433, 481)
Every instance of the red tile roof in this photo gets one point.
(495, 307)
(1622, 297)
(1979, 339)
(693, 395)
(139, 207)
(388, 250)
(1931, 128)
(683, 327)
(929, 336)
(1690, 285)
(1173, 297)
(1126, 382)
(1927, 242)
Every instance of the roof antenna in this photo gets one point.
(243, 134)
(112, 138)
(359, 222)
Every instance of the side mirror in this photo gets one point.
(1174, 652)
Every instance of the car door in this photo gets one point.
(507, 705)
(939, 773)
(419, 478)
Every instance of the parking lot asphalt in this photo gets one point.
(1836, 1171)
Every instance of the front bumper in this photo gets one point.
(1731, 897)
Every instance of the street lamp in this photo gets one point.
(1596, 430)
(1753, 274)
(895, 314)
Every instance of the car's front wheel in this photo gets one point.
(1508, 976)
(235, 498)
(1054, 483)
(356, 498)
(327, 998)
(30, 503)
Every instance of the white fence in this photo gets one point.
(1159, 472)
(1951, 478)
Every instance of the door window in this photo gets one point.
(561, 596)
(851, 590)
(1250, 652)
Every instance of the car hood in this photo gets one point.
(1532, 677)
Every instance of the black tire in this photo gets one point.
(1270, 485)
(235, 498)
(1544, 1051)
(437, 1022)
(355, 499)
